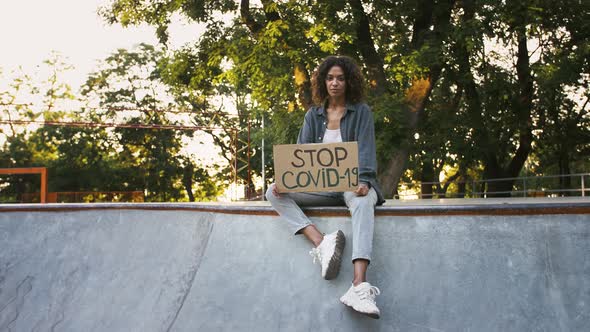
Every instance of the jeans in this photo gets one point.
(362, 210)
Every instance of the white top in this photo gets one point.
(332, 136)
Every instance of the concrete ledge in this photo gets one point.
(514, 206)
(225, 267)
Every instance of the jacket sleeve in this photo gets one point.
(366, 146)
(306, 132)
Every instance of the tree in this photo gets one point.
(23, 145)
(128, 89)
(502, 91)
(274, 49)
(563, 79)
(410, 51)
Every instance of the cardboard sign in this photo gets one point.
(316, 167)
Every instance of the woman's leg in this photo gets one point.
(328, 249)
(288, 206)
(313, 234)
(362, 210)
(360, 271)
(361, 294)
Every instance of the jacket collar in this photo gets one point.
(321, 110)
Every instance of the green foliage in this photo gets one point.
(507, 84)
(475, 119)
(150, 158)
(128, 90)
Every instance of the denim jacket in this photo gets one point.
(356, 125)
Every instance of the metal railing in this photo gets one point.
(84, 197)
(526, 186)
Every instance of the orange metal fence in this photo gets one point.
(30, 170)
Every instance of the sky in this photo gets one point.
(31, 29)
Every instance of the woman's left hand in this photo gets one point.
(362, 189)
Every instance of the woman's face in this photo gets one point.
(336, 82)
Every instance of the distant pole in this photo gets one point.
(249, 176)
(43, 185)
(263, 175)
(235, 165)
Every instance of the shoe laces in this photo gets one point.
(316, 254)
(369, 293)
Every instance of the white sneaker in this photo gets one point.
(362, 299)
(329, 254)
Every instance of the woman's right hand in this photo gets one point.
(275, 190)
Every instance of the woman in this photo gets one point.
(340, 116)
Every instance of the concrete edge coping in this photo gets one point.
(491, 206)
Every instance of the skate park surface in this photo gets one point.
(441, 265)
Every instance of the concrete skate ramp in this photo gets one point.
(455, 265)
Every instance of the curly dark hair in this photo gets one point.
(355, 89)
